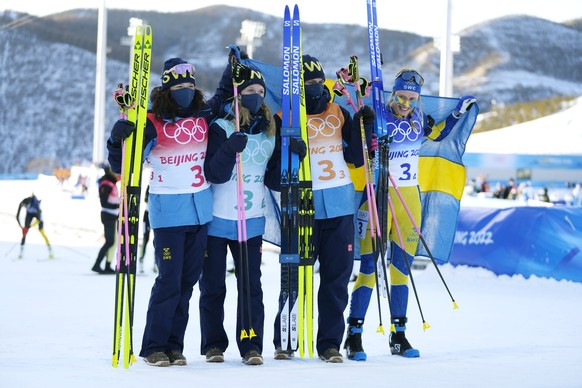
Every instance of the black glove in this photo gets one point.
(121, 130)
(429, 125)
(237, 142)
(366, 113)
(298, 146)
(240, 73)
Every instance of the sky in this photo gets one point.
(424, 17)
(57, 320)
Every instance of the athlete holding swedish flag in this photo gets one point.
(407, 128)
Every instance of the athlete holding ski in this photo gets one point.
(255, 142)
(180, 200)
(407, 127)
(334, 139)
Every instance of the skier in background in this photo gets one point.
(109, 199)
(33, 211)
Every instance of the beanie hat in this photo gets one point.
(312, 68)
(408, 80)
(171, 76)
(254, 77)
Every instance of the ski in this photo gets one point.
(130, 195)
(289, 257)
(306, 207)
(381, 159)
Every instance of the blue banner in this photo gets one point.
(540, 241)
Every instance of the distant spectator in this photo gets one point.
(482, 181)
(109, 198)
(510, 191)
(543, 196)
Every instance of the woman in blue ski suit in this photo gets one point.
(257, 145)
(180, 200)
(334, 140)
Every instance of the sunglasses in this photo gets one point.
(182, 68)
(408, 75)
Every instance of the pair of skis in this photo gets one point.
(134, 104)
(297, 209)
(384, 179)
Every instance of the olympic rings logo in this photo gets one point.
(185, 130)
(325, 127)
(258, 152)
(404, 131)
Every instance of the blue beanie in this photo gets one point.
(312, 68)
(410, 84)
(170, 78)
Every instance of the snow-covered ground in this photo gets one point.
(56, 321)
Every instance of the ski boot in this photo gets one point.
(399, 345)
(353, 344)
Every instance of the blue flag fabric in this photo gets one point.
(442, 172)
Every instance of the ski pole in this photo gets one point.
(244, 270)
(425, 324)
(417, 229)
(351, 76)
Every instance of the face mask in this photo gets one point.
(313, 91)
(182, 97)
(252, 102)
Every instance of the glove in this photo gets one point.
(236, 52)
(465, 103)
(298, 146)
(367, 114)
(237, 142)
(121, 130)
(240, 73)
(429, 125)
(122, 97)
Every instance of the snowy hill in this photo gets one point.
(47, 116)
(557, 134)
(56, 325)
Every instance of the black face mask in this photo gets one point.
(182, 97)
(316, 98)
(252, 102)
(313, 91)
